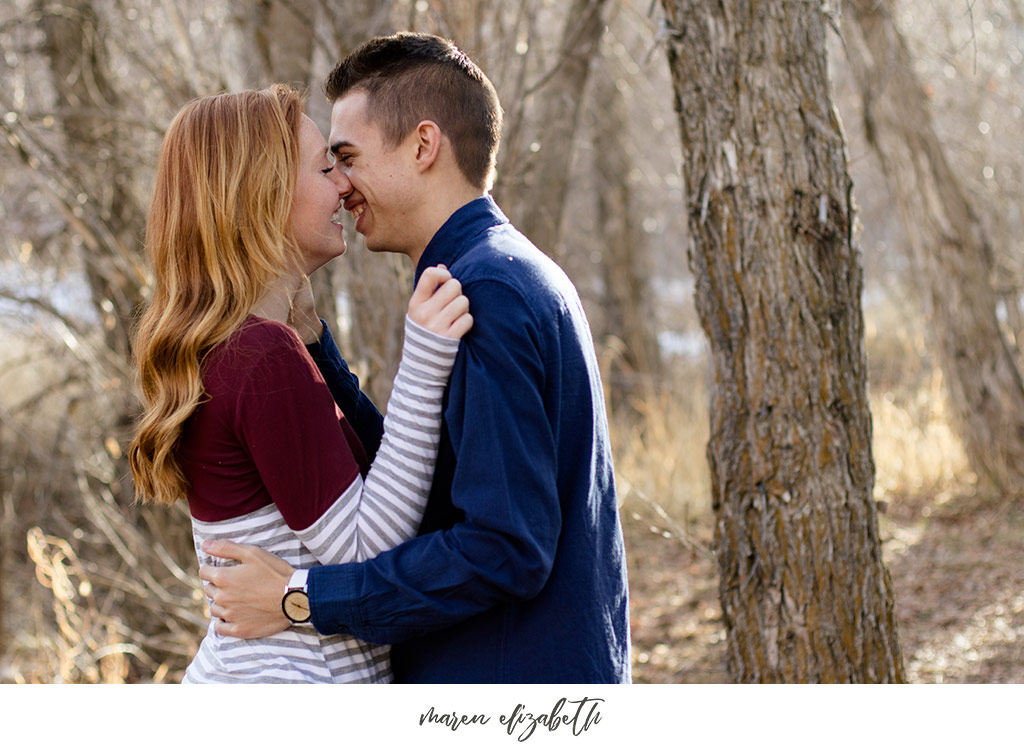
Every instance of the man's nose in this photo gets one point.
(341, 181)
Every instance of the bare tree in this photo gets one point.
(625, 261)
(80, 128)
(805, 594)
(541, 175)
(951, 255)
(298, 41)
(108, 209)
(279, 41)
(81, 77)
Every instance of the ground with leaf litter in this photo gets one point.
(957, 565)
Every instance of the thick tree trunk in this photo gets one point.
(805, 594)
(542, 185)
(950, 253)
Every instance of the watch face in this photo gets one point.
(296, 606)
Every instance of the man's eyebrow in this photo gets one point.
(339, 145)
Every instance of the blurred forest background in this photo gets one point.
(95, 589)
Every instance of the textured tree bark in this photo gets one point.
(805, 594)
(545, 177)
(626, 265)
(949, 250)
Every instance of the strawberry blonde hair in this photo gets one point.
(217, 234)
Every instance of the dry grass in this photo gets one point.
(659, 443)
(660, 439)
(916, 451)
(953, 556)
(96, 589)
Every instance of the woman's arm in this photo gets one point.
(366, 518)
(369, 517)
(289, 423)
(386, 509)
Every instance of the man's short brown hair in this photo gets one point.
(409, 78)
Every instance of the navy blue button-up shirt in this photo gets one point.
(518, 574)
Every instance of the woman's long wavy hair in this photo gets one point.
(217, 234)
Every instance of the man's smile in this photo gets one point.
(357, 209)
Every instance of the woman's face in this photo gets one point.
(318, 196)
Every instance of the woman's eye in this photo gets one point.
(325, 171)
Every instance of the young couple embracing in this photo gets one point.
(471, 534)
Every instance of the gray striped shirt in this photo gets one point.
(367, 518)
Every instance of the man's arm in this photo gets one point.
(365, 518)
(505, 482)
(246, 597)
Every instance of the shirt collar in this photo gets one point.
(458, 232)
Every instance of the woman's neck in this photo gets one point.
(276, 302)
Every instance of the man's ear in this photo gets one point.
(428, 140)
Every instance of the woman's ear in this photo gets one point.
(428, 144)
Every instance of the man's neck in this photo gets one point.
(443, 206)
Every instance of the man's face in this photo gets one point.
(383, 182)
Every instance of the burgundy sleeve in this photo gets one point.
(288, 420)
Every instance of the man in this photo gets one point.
(518, 574)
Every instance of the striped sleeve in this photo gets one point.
(385, 509)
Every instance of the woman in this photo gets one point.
(237, 418)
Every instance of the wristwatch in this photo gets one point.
(295, 603)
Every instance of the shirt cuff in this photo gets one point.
(331, 590)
